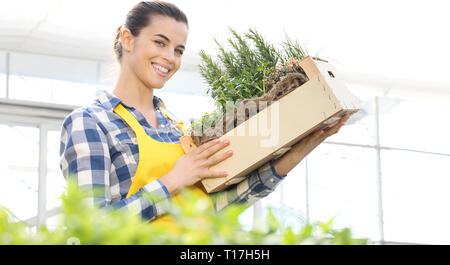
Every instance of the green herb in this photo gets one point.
(246, 68)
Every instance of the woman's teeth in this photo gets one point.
(162, 69)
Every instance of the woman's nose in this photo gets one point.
(169, 56)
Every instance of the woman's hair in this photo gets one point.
(140, 16)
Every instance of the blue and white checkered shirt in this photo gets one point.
(100, 150)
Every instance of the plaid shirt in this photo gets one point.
(100, 150)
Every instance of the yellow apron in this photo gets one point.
(155, 160)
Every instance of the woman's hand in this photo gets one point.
(194, 166)
(300, 150)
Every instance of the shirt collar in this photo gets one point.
(109, 101)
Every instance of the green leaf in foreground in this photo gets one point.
(80, 223)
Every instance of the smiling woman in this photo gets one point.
(151, 42)
(125, 146)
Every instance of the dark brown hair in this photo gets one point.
(140, 16)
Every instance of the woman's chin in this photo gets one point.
(156, 85)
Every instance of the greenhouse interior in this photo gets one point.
(383, 175)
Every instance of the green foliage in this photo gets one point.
(242, 68)
(292, 49)
(81, 224)
(240, 71)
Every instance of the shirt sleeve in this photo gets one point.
(258, 184)
(85, 158)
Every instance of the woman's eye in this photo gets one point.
(160, 43)
(180, 52)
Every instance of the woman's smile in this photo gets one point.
(162, 70)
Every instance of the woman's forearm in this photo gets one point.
(300, 150)
(290, 159)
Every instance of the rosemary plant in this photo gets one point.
(246, 68)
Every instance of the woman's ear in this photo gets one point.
(127, 40)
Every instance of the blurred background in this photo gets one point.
(386, 176)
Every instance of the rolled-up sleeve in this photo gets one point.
(258, 184)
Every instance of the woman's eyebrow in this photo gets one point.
(167, 39)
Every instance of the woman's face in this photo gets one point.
(155, 54)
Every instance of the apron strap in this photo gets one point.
(130, 120)
(179, 123)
